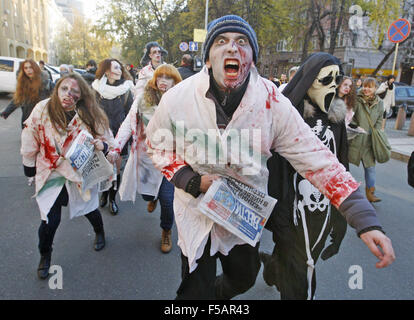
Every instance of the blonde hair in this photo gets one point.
(152, 95)
(370, 82)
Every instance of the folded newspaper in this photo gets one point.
(353, 132)
(91, 165)
(239, 208)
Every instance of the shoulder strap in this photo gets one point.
(369, 117)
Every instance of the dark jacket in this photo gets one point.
(89, 75)
(116, 109)
(186, 71)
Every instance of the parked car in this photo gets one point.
(54, 72)
(8, 74)
(404, 96)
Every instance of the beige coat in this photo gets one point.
(43, 147)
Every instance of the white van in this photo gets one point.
(8, 73)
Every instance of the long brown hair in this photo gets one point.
(87, 107)
(27, 90)
(105, 65)
(351, 96)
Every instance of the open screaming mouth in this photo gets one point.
(231, 67)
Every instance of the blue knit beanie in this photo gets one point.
(230, 23)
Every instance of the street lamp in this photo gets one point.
(206, 18)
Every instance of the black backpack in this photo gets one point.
(410, 169)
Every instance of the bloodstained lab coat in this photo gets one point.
(140, 176)
(183, 131)
(43, 147)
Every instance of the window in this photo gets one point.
(6, 65)
(410, 92)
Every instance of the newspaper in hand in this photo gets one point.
(353, 132)
(90, 165)
(108, 183)
(239, 208)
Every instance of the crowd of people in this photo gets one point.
(313, 121)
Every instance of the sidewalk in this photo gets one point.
(401, 143)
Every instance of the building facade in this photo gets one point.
(23, 31)
(70, 8)
(355, 48)
(29, 28)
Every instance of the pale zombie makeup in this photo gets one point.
(115, 73)
(69, 93)
(345, 87)
(28, 70)
(155, 55)
(230, 58)
(164, 83)
(324, 86)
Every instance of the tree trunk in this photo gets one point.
(389, 53)
(336, 28)
(383, 61)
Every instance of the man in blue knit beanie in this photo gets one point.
(225, 99)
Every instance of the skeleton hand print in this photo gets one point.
(312, 197)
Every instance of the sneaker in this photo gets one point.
(30, 181)
(152, 205)
(166, 243)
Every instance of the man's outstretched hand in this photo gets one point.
(374, 239)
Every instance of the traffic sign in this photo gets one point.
(193, 46)
(399, 30)
(200, 35)
(183, 46)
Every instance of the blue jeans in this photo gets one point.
(369, 177)
(166, 196)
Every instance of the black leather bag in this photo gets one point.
(410, 170)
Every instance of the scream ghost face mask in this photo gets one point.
(323, 88)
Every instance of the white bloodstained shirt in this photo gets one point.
(183, 131)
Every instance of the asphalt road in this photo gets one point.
(132, 267)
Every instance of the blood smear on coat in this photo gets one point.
(337, 184)
(50, 151)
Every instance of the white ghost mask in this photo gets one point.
(324, 86)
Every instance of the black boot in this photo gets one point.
(113, 207)
(44, 265)
(99, 243)
(104, 199)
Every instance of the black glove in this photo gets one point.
(330, 251)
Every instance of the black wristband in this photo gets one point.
(105, 149)
(370, 229)
(29, 171)
(193, 186)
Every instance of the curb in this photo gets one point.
(399, 156)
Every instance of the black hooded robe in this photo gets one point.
(298, 245)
